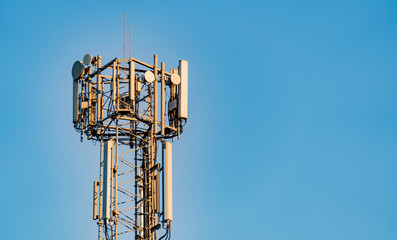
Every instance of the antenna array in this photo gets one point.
(118, 107)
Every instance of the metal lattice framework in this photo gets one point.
(117, 105)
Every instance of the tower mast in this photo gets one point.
(117, 104)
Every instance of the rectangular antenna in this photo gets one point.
(107, 173)
(168, 180)
(75, 100)
(132, 83)
(96, 196)
(183, 72)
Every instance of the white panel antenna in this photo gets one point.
(107, 178)
(182, 103)
(168, 180)
(75, 100)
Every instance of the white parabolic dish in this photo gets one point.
(87, 59)
(175, 79)
(77, 69)
(149, 76)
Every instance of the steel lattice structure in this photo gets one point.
(117, 105)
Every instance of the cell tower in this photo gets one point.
(117, 105)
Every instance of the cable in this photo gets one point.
(169, 229)
(106, 231)
(166, 233)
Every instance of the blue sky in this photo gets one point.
(292, 115)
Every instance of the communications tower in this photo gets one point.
(117, 104)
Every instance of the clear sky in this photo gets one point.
(292, 130)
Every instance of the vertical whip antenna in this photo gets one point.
(124, 41)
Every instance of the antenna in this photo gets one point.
(118, 107)
(124, 41)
